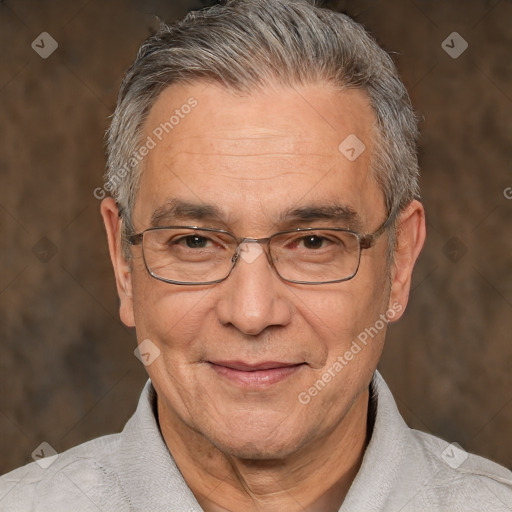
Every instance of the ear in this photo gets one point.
(122, 269)
(411, 232)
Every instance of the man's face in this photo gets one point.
(255, 159)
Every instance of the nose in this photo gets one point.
(253, 297)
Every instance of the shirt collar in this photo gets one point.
(393, 469)
(149, 474)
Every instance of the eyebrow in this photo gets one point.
(174, 210)
(334, 212)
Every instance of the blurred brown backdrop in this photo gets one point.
(67, 369)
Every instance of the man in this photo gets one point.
(263, 229)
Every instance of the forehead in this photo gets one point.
(262, 152)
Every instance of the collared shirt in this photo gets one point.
(403, 470)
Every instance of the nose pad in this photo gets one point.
(249, 252)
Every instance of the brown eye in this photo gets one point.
(313, 241)
(195, 241)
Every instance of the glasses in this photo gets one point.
(191, 255)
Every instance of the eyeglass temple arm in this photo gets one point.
(368, 240)
(134, 239)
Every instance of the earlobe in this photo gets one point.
(411, 233)
(122, 270)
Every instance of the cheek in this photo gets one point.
(174, 321)
(169, 315)
(349, 322)
(349, 333)
(340, 313)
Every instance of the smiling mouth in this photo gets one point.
(257, 375)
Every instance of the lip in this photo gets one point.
(255, 375)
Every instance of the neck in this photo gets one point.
(315, 478)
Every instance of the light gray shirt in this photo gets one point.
(403, 470)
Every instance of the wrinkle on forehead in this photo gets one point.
(247, 167)
(252, 178)
(286, 119)
(240, 143)
(266, 150)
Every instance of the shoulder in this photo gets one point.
(407, 470)
(131, 470)
(457, 480)
(85, 477)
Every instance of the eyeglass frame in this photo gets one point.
(366, 241)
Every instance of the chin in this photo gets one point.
(251, 451)
(259, 446)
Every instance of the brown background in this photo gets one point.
(68, 372)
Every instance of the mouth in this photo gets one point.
(255, 375)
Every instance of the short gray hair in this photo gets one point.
(246, 45)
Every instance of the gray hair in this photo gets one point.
(246, 45)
